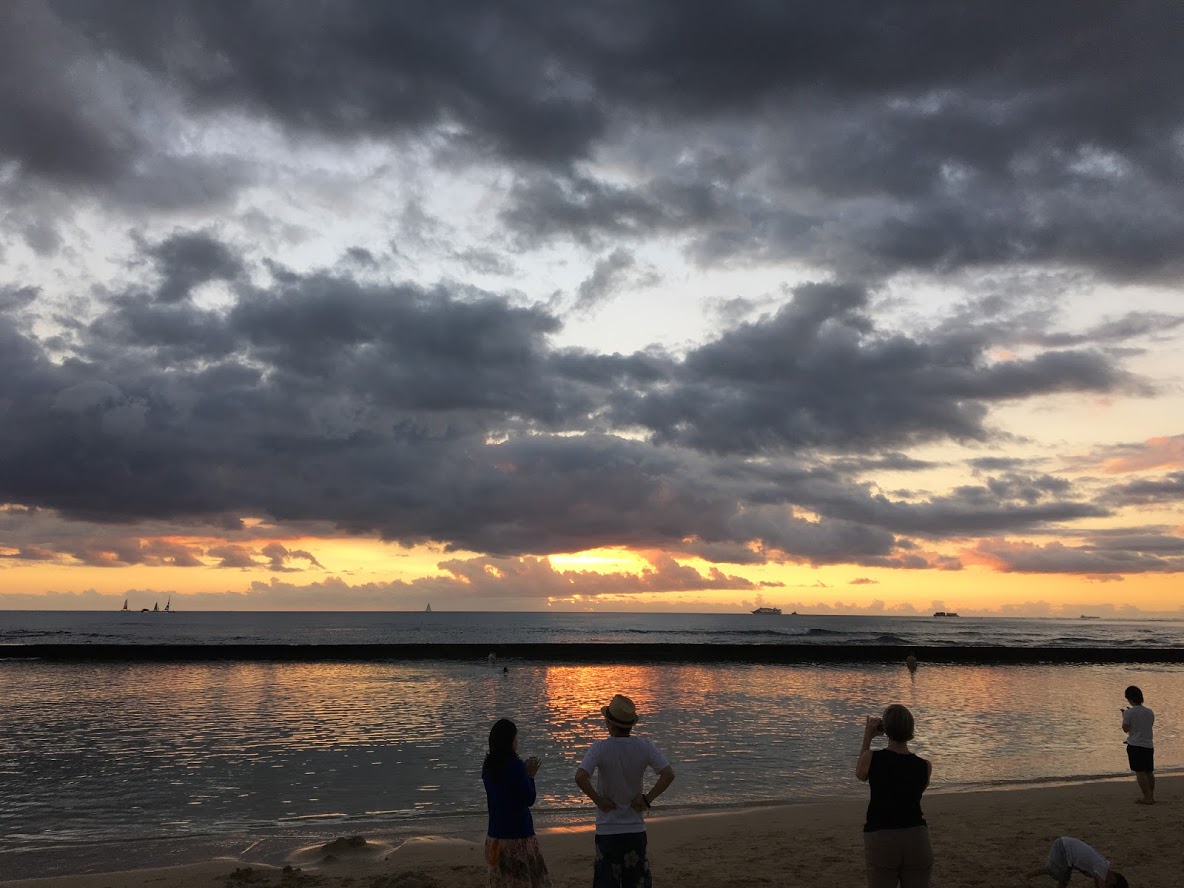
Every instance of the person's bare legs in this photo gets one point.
(1146, 780)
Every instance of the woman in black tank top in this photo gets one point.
(895, 836)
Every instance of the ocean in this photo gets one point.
(118, 760)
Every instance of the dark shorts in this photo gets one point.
(1141, 758)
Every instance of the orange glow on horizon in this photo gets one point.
(633, 581)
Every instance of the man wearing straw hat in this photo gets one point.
(620, 761)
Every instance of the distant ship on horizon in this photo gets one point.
(946, 614)
(774, 611)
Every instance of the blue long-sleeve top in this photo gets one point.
(509, 796)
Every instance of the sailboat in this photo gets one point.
(125, 604)
(156, 607)
(168, 605)
(428, 609)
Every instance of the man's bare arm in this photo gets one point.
(646, 799)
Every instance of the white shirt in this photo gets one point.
(1138, 721)
(619, 764)
(1084, 858)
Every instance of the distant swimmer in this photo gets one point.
(911, 662)
(505, 670)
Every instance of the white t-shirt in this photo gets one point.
(1138, 721)
(618, 764)
(1084, 858)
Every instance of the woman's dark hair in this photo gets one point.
(501, 747)
(898, 723)
(1135, 695)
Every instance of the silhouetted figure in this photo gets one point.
(895, 837)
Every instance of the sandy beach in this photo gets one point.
(979, 839)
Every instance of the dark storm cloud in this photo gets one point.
(279, 558)
(353, 69)
(114, 550)
(817, 374)
(891, 462)
(1167, 488)
(583, 208)
(1130, 326)
(917, 135)
(13, 299)
(445, 415)
(999, 505)
(52, 121)
(186, 259)
(29, 553)
(430, 416)
(997, 463)
(1090, 560)
(605, 280)
(485, 262)
(233, 556)
(1162, 542)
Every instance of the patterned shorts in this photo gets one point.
(621, 862)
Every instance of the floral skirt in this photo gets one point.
(516, 863)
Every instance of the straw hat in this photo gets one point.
(620, 712)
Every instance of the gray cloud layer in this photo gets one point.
(860, 143)
(446, 416)
(917, 135)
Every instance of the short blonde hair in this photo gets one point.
(898, 723)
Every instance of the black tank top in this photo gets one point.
(897, 781)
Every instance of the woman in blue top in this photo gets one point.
(895, 837)
(511, 849)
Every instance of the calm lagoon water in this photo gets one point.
(177, 756)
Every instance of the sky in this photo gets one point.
(545, 305)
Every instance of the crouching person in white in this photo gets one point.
(1069, 854)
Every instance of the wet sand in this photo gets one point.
(985, 838)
